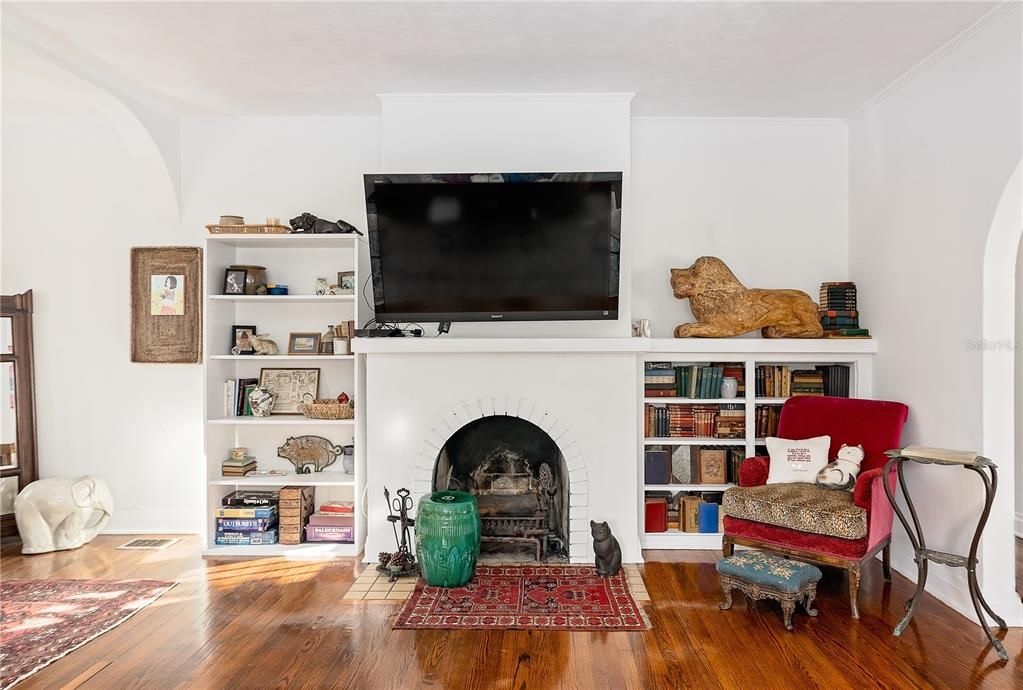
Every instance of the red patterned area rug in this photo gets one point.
(526, 597)
(42, 620)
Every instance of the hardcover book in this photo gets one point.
(247, 497)
(251, 512)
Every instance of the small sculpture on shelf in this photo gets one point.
(261, 400)
(724, 307)
(309, 451)
(308, 223)
(402, 562)
(262, 345)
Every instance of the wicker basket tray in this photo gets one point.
(327, 409)
(248, 229)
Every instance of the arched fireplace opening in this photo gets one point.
(520, 480)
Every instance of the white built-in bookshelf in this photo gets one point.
(794, 355)
(296, 261)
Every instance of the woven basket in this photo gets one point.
(327, 409)
(248, 229)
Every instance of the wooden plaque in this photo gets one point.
(166, 305)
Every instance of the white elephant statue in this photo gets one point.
(57, 514)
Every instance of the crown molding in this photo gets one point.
(937, 56)
(581, 97)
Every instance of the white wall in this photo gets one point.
(1018, 373)
(517, 132)
(928, 164)
(769, 197)
(81, 189)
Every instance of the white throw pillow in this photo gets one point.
(797, 461)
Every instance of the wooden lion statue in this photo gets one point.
(724, 307)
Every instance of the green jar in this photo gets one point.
(447, 537)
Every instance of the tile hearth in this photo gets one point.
(372, 586)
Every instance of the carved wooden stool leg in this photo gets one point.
(727, 603)
(811, 594)
(854, 589)
(788, 607)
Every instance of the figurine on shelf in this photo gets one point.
(308, 223)
(262, 345)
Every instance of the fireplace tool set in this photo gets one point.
(402, 562)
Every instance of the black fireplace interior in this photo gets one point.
(519, 478)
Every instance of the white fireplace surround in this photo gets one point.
(530, 411)
(586, 402)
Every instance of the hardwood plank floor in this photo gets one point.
(272, 623)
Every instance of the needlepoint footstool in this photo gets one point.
(761, 575)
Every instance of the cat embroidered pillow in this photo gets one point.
(796, 461)
(842, 473)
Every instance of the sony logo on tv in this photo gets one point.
(497, 316)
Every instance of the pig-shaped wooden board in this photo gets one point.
(303, 451)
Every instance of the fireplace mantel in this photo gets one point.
(454, 345)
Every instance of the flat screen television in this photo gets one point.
(495, 246)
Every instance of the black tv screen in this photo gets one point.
(495, 246)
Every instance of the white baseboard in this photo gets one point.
(152, 522)
(1019, 524)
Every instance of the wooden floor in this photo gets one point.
(274, 623)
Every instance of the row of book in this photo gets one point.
(765, 420)
(692, 465)
(236, 397)
(839, 312)
(700, 382)
(260, 517)
(683, 511)
(683, 420)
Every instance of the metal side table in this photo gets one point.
(923, 555)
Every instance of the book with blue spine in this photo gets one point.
(245, 524)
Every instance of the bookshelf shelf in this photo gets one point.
(687, 487)
(691, 441)
(291, 479)
(304, 551)
(744, 355)
(284, 299)
(278, 358)
(280, 420)
(697, 401)
(297, 261)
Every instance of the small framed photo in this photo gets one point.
(234, 281)
(166, 295)
(304, 344)
(240, 343)
(346, 282)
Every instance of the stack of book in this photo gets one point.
(334, 522)
(247, 518)
(773, 381)
(807, 383)
(766, 420)
(730, 421)
(295, 505)
(659, 380)
(236, 397)
(838, 312)
(836, 380)
(239, 464)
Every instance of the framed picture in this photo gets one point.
(234, 281)
(713, 466)
(304, 344)
(166, 305)
(166, 295)
(346, 283)
(290, 386)
(240, 343)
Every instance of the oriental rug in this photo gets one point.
(42, 620)
(526, 597)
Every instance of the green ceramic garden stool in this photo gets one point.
(447, 537)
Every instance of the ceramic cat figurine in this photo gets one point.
(608, 553)
(842, 473)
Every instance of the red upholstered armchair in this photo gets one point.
(812, 523)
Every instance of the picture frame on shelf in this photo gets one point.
(304, 343)
(290, 386)
(234, 281)
(346, 282)
(240, 343)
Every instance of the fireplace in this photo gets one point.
(520, 480)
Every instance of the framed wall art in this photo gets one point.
(290, 386)
(166, 305)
